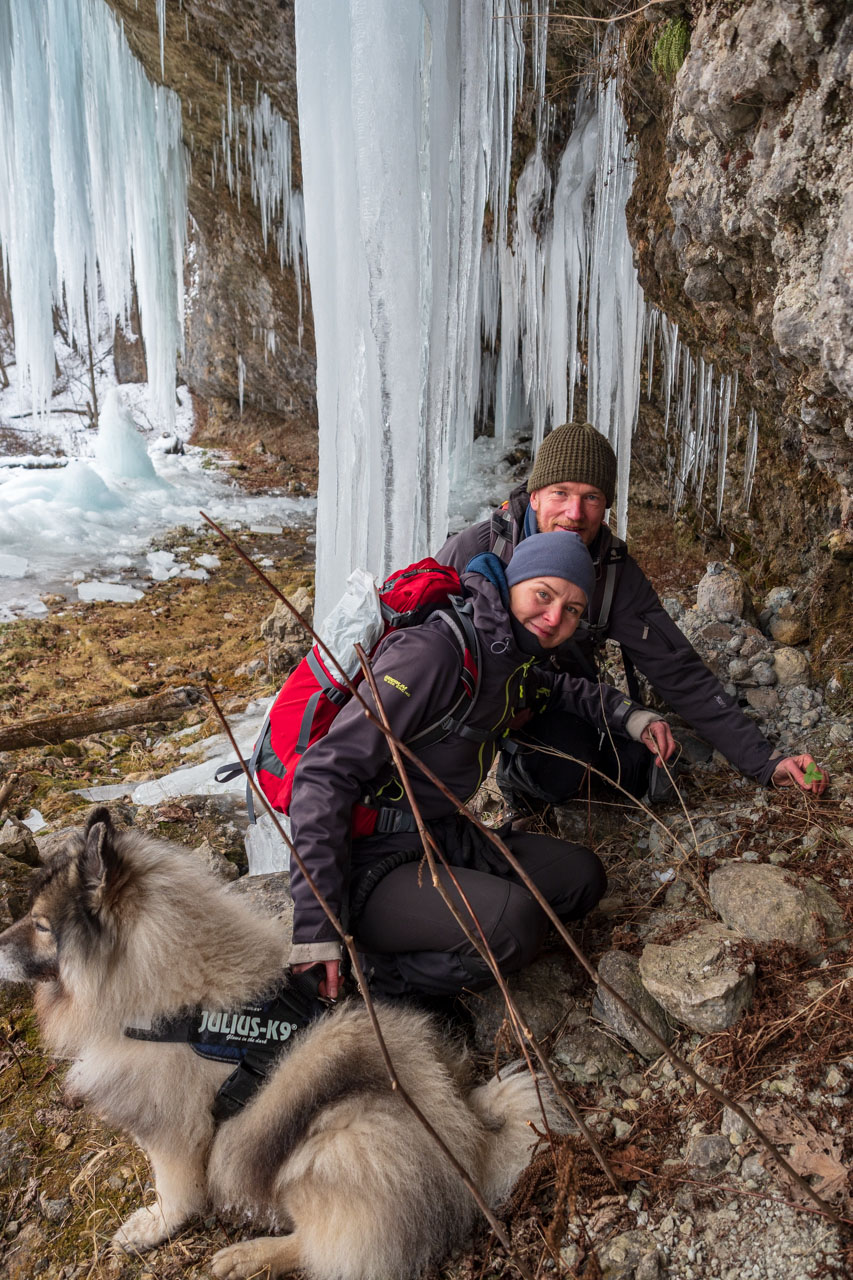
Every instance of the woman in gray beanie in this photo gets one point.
(411, 943)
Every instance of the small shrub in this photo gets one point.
(671, 48)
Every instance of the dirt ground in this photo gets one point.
(66, 1181)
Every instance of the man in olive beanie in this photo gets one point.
(577, 454)
(571, 486)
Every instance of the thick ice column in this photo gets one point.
(396, 138)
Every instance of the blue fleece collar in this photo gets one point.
(531, 524)
(491, 568)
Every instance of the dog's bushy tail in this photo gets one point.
(511, 1109)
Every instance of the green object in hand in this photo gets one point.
(812, 774)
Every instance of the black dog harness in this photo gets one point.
(252, 1037)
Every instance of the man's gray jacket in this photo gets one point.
(637, 621)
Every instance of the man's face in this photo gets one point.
(574, 506)
(549, 608)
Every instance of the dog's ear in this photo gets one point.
(99, 859)
(99, 815)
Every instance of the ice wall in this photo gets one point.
(92, 188)
(405, 117)
(560, 286)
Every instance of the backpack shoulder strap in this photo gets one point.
(461, 625)
(612, 562)
(500, 532)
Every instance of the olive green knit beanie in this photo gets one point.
(575, 453)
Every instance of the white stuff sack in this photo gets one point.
(355, 619)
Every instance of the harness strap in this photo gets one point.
(501, 533)
(607, 599)
(252, 1039)
(393, 821)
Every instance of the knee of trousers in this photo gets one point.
(517, 935)
(590, 882)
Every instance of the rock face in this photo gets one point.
(764, 903)
(702, 979)
(243, 307)
(742, 220)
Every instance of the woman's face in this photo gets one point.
(550, 608)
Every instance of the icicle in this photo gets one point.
(241, 380)
(161, 25)
(727, 383)
(615, 296)
(750, 457)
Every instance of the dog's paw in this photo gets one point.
(270, 1255)
(144, 1229)
(236, 1262)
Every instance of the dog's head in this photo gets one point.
(75, 906)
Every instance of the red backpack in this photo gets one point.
(311, 696)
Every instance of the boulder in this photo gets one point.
(270, 894)
(620, 970)
(632, 1255)
(788, 626)
(768, 904)
(287, 641)
(215, 861)
(543, 993)
(586, 1055)
(721, 593)
(18, 843)
(704, 979)
(708, 1154)
(791, 667)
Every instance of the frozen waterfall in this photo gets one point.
(405, 118)
(92, 188)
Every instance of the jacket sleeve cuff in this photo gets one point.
(307, 952)
(639, 721)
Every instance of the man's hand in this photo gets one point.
(331, 984)
(802, 772)
(657, 736)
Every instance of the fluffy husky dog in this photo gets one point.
(124, 928)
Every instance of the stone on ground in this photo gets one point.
(767, 904)
(620, 970)
(702, 980)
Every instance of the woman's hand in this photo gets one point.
(657, 736)
(331, 985)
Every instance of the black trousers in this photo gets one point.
(555, 780)
(413, 945)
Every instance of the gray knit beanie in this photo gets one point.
(575, 453)
(560, 554)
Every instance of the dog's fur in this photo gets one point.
(123, 927)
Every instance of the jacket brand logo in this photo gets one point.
(398, 684)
